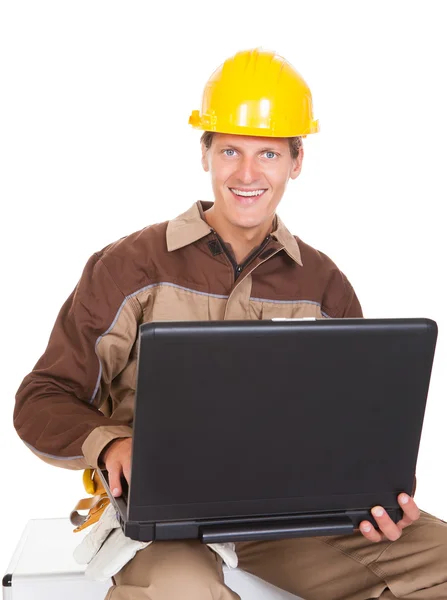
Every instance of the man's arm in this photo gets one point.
(57, 405)
(339, 299)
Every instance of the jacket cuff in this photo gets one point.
(99, 438)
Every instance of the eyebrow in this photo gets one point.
(264, 149)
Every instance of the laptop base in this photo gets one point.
(213, 531)
(234, 530)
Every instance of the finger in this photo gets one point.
(115, 469)
(369, 532)
(386, 524)
(410, 508)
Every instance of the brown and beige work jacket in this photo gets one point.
(80, 395)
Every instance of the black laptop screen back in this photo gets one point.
(235, 418)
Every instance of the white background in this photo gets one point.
(95, 143)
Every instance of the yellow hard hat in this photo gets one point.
(256, 92)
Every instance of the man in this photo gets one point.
(233, 259)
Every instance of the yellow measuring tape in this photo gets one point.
(95, 505)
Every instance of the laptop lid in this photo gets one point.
(253, 418)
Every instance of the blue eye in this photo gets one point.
(229, 150)
(270, 154)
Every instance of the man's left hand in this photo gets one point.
(388, 530)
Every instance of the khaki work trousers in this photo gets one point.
(347, 567)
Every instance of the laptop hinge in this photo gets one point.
(308, 527)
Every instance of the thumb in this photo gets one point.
(115, 470)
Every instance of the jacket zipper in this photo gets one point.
(239, 268)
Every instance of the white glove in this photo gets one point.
(106, 549)
(227, 552)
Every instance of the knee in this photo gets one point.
(173, 585)
(171, 571)
(185, 587)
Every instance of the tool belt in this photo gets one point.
(95, 505)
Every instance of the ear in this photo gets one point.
(205, 164)
(297, 164)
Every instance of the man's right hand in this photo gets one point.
(117, 460)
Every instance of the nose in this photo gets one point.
(248, 170)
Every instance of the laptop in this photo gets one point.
(255, 430)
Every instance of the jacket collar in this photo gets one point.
(191, 226)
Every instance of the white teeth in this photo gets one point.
(250, 193)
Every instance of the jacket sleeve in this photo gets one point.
(351, 307)
(57, 405)
(340, 299)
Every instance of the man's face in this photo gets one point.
(249, 176)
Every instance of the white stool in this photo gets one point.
(43, 568)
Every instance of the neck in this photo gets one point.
(242, 240)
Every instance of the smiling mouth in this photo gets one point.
(247, 193)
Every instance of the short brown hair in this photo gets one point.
(295, 143)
